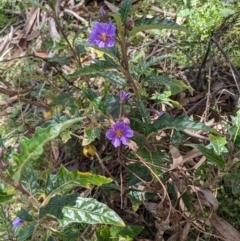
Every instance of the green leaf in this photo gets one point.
(155, 23)
(25, 233)
(145, 65)
(235, 182)
(154, 160)
(64, 181)
(119, 22)
(135, 170)
(143, 111)
(5, 196)
(31, 149)
(95, 100)
(210, 155)
(24, 215)
(62, 60)
(217, 143)
(97, 67)
(29, 180)
(125, 9)
(226, 12)
(138, 197)
(174, 85)
(164, 98)
(90, 134)
(103, 233)
(112, 105)
(127, 233)
(74, 209)
(183, 13)
(235, 129)
(181, 123)
(66, 234)
(113, 77)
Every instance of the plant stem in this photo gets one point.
(126, 67)
(17, 186)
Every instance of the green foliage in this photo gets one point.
(64, 181)
(72, 208)
(155, 23)
(59, 191)
(235, 129)
(31, 149)
(125, 9)
(182, 123)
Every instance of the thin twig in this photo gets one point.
(229, 61)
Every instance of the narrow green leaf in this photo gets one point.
(119, 23)
(31, 149)
(210, 155)
(217, 143)
(181, 123)
(74, 209)
(155, 23)
(64, 181)
(125, 9)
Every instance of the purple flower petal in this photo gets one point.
(116, 142)
(102, 35)
(119, 133)
(124, 95)
(124, 140)
(17, 222)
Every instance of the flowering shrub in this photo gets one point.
(101, 146)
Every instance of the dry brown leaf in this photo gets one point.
(176, 157)
(30, 21)
(133, 146)
(185, 232)
(201, 161)
(55, 150)
(151, 207)
(225, 229)
(207, 197)
(190, 155)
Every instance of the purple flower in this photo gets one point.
(102, 35)
(17, 222)
(103, 14)
(120, 132)
(124, 95)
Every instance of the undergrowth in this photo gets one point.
(106, 133)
